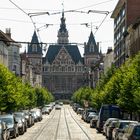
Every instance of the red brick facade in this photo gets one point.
(132, 11)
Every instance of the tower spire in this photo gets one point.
(62, 33)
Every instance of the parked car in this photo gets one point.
(22, 116)
(49, 106)
(80, 110)
(20, 124)
(110, 128)
(86, 113)
(93, 121)
(119, 129)
(107, 111)
(45, 110)
(34, 115)
(38, 113)
(75, 106)
(11, 124)
(90, 116)
(132, 132)
(4, 131)
(107, 123)
(29, 118)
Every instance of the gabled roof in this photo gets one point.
(73, 51)
(5, 38)
(91, 39)
(35, 41)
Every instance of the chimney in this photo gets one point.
(109, 50)
(8, 32)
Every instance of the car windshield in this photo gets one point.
(123, 124)
(92, 114)
(7, 120)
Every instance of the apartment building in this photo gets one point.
(124, 14)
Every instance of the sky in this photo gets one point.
(22, 26)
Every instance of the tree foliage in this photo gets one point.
(118, 86)
(15, 95)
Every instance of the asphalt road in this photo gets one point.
(62, 124)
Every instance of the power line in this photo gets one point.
(27, 15)
(94, 4)
(24, 21)
(59, 10)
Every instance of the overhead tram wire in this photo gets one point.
(59, 10)
(27, 15)
(25, 42)
(94, 4)
(100, 12)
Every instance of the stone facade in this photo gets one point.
(63, 66)
(108, 59)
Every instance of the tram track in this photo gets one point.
(44, 126)
(86, 134)
(68, 129)
(57, 128)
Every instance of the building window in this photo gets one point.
(123, 12)
(34, 48)
(15, 55)
(69, 68)
(14, 68)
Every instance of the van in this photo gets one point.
(107, 111)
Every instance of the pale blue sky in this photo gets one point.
(22, 27)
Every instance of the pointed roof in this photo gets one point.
(73, 51)
(5, 38)
(91, 39)
(63, 24)
(35, 41)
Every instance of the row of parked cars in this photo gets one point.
(14, 124)
(119, 129)
(109, 121)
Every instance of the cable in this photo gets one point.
(100, 24)
(94, 4)
(59, 10)
(27, 15)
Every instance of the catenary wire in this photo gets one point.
(27, 15)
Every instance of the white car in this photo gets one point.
(57, 106)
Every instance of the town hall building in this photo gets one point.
(63, 70)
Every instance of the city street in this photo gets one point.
(62, 124)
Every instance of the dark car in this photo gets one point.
(107, 111)
(132, 132)
(4, 131)
(11, 124)
(20, 124)
(75, 106)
